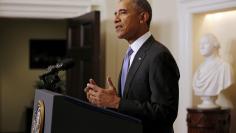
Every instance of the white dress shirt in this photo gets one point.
(137, 44)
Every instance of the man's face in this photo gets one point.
(126, 20)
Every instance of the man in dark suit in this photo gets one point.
(148, 89)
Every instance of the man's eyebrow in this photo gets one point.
(120, 10)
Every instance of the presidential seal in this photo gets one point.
(38, 118)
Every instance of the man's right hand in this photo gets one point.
(86, 89)
(102, 97)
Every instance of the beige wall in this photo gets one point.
(165, 24)
(165, 29)
(222, 24)
(17, 80)
(114, 48)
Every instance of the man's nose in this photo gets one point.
(116, 19)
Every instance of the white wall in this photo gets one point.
(17, 80)
(222, 24)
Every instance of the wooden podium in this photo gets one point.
(208, 120)
(56, 113)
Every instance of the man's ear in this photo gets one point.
(144, 16)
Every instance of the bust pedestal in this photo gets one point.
(208, 102)
(208, 120)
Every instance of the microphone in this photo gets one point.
(63, 65)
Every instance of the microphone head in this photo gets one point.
(65, 64)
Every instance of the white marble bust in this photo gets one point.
(213, 75)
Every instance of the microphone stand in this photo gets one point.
(51, 79)
(50, 82)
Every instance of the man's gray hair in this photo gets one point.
(145, 6)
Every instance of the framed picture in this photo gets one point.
(45, 52)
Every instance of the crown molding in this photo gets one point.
(49, 9)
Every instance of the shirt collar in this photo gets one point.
(140, 41)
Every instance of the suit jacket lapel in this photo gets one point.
(138, 59)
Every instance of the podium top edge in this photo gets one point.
(48, 92)
(89, 106)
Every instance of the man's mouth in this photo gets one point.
(118, 27)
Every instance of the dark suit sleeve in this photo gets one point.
(163, 79)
